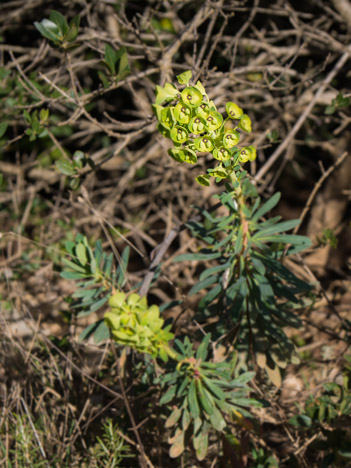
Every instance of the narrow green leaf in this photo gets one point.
(201, 442)
(186, 419)
(98, 304)
(66, 167)
(212, 270)
(48, 29)
(71, 275)
(110, 58)
(205, 398)
(74, 266)
(168, 396)
(276, 228)
(301, 420)
(86, 294)
(192, 400)
(197, 256)
(57, 18)
(214, 389)
(239, 241)
(201, 352)
(173, 418)
(178, 444)
(217, 420)
(202, 285)
(123, 66)
(122, 267)
(3, 128)
(81, 254)
(108, 265)
(210, 296)
(266, 207)
(104, 79)
(183, 386)
(87, 332)
(102, 332)
(98, 252)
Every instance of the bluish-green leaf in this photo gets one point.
(192, 400)
(214, 389)
(210, 296)
(168, 396)
(85, 294)
(71, 275)
(66, 167)
(210, 271)
(48, 29)
(110, 58)
(197, 256)
(202, 349)
(276, 228)
(101, 332)
(122, 267)
(99, 304)
(108, 265)
(88, 331)
(3, 128)
(266, 207)
(57, 18)
(81, 254)
(202, 285)
(74, 266)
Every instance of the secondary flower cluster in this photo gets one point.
(134, 324)
(195, 126)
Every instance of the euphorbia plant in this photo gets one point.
(248, 289)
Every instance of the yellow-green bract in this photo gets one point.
(133, 323)
(191, 120)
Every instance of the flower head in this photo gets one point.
(247, 154)
(231, 138)
(245, 123)
(222, 154)
(214, 121)
(182, 113)
(179, 134)
(203, 110)
(204, 143)
(191, 96)
(197, 125)
(233, 110)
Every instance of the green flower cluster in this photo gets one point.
(195, 126)
(134, 324)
